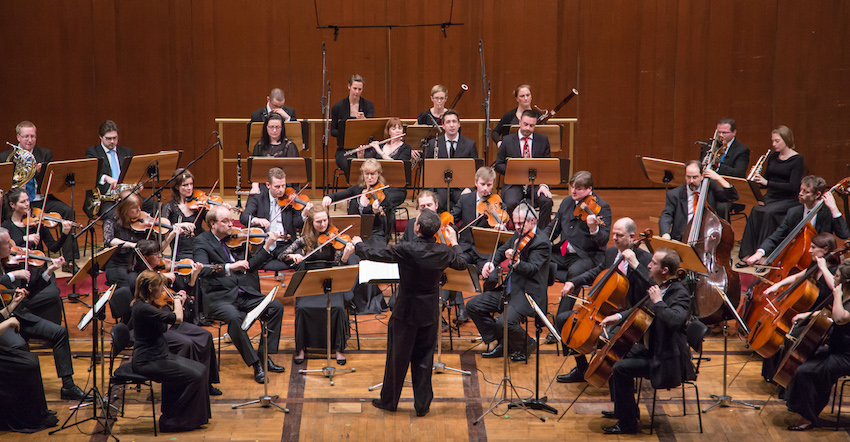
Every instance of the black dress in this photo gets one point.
(285, 149)
(47, 303)
(508, 119)
(427, 118)
(185, 384)
(311, 311)
(24, 408)
(783, 184)
(117, 268)
(171, 211)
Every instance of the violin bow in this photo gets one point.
(356, 196)
(174, 248)
(248, 236)
(44, 205)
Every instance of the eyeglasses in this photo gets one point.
(439, 98)
(274, 128)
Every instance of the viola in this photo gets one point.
(446, 221)
(521, 243)
(19, 255)
(493, 209)
(199, 200)
(586, 207)
(146, 222)
(49, 220)
(339, 240)
(184, 266)
(254, 236)
(607, 295)
(297, 200)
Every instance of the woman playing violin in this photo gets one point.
(18, 203)
(367, 202)
(185, 395)
(177, 210)
(810, 388)
(310, 313)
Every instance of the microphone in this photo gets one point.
(153, 169)
(218, 137)
(702, 143)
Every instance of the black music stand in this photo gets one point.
(460, 281)
(92, 269)
(448, 173)
(265, 400)
(297, 170)
(323, 281)
(539, 403)
(666, 172)
(528, 171)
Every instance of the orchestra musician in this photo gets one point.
(21, 391)
(431, 116)
(733, 162)
(310, 313)
(782, 174)
(273, 143)
(353, 106)
(113, 157)
(32, 326)
(666, 360)
(828, 219)
(177, 211)
(185, 398)
(231, 292)
(451, 145)
(274, 105)
(810, 387)
(525, 144)
(530, 275)
(633, 267)
(426, 200)
(27, 136)
(522, 93)
(47, 303)
(681, 202)
(396, 149)
(413, 326)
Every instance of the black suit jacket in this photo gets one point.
(219, 286)
(36, 284)
(421, 264)
(465, 148)
(260, 115)
(736, 161)
(97, 151)
(638, 278)
(510, 148)
(668, 350)
(531, 275)
(577, 232)
(42, 156)
(824, 223)
(257, 206)
(674, 218)
(341, 111)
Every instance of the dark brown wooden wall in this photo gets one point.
(654, 76)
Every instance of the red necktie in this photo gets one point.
(526, 152)
(696, 203)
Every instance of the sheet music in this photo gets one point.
(258, 310)
(84, 321)
(378, 271)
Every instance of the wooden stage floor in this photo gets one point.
(319, 411)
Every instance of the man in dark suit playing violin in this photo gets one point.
(681, 201)
(623, 234)
(530, 275)
(827, 220)
(451, 145)
(525, 144)
(666, 360)
(263, 210)
(230, 293)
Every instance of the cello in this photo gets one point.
(607, 295)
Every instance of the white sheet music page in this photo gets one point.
(379, 271)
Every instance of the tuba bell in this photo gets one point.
(25, 165)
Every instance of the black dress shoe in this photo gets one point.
(341, 361)
(214, 391)
(377, 404)
(619, 428)
(575, 375)
(551, 339)
(608, 414)
(51, 412)
(741, 265)
(259, 374)
(518, 356)
(420, 413)
(496, 352)
(74, 393)
(272, 367)
(462, 316)
(298, 361)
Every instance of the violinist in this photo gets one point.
(371, 177)
(31, 325)
(415, 321)
(185, 398)
(451, 145)
(666, 360)
(522, 93)
(583, 235)
(48, 302)
(525, 144)
(782, 173)
(633, 266)
(234, 290)
(353, 106)
(177, 210)
(810, 388)
(529, 252)
(828, 219)
(310, 313)
(264, 210)
(682, 201)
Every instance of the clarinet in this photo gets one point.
(239, 180)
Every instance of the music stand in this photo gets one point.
(488, 240)
(751, 197)
(690, 260)
(395, 172)
(317, 282)
(440, 172)
(422, 133)
(265, 400)
(527, 171)
(669, 173)
(539, 403)
(297, 170)
(7, 171)
(460, 281)
(361, 225)
(552, 131)
(296, 131)
(359, 131)
(92, 269)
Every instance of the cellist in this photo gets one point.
(666, 360)
(632, 266)
(809, 390)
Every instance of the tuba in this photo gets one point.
(25, 165)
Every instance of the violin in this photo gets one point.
(493, 209)
(521, 245)
(7, 291)
(146, 222)
(36, 258)
(296, 199)
(339, 240)
(377, 193)
(49, 220)
(184, 266)
(254, 236)
(446, 221)
(586, 207)
(199, 200)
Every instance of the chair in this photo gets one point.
(696, 335)
(337, 173)
(351, 310)
(736, 209)
(124, 374)
(840, 394)
(400, 224)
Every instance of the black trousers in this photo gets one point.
(623, 387)
(33, 326)
(22, 392)
(409, 345)
(809, 390)
(561, 320)
(568, 267)
(481, 310)
(543, 205)
(443, 197)
(234, 314)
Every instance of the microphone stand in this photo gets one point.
(326, 105)
(158, 192)
(485, 84)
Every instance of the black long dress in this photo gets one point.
(311, 311)
(185, 384)
(171, 211)
(23, 407)
(117, 268)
